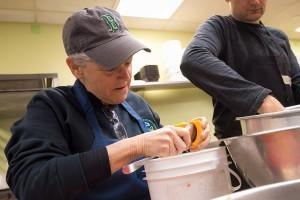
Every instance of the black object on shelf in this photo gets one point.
(6, 194)
(148, 73)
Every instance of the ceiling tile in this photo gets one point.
(185, 26)
(197, 10)
(144, 23)
(283, 14)
(71, 5)
(275, 7)
(287, 19)
(276, 10)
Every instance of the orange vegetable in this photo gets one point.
(196, 136)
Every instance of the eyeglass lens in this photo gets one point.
(119, 128)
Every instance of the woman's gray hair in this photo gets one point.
(80, 59)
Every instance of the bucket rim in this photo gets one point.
(271, 131)
(186, 165)
(220, 148)
(271, 115)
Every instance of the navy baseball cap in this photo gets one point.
(101, 34)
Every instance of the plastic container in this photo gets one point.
(199, 175)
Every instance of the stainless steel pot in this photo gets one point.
(268, 150)
(255, 124)
(267, 158)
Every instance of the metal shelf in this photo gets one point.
(16, 90)
(26, 82)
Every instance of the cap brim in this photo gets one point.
(113, 53)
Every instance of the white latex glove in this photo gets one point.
(166, 141)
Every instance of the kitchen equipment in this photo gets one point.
(268, 122)
(198, 175)
(288, 190)
(132, 167)
(16, 90)
(267, 158)
(26, 82)
(6, 194)
(268, 151)
(148, 73)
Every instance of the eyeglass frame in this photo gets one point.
(112, 117)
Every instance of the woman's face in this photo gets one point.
(110, 86)
(249, 11)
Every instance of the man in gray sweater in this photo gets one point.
(246, 67)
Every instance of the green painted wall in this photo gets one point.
(39, 49)
(27, 48)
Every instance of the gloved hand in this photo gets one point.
(167, 141)
(173, 140)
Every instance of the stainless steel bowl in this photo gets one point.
(254, 124)
(268, 150)
(288, 190)
(267, 157)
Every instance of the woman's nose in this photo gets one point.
(125, 72)
(256, 2)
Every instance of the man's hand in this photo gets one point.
(270, 104)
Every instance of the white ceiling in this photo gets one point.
(283, 14)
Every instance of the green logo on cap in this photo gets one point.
(111, 22)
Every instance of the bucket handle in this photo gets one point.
(235, 188)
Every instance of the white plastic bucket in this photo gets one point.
(199, 175)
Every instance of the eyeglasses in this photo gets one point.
(113, 118)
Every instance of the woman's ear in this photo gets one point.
(75, 69)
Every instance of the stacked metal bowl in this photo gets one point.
(268, 151)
